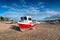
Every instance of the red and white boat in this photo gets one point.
(26, 23)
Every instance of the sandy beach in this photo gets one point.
(43, 31)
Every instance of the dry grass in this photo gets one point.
(42, 32)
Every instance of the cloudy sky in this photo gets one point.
(38, 9)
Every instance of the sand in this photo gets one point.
(43, 31)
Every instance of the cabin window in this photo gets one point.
(25, 18)
(22, 18)
(29, 18)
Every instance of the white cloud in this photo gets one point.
(11, 14)
(46, 9)
(14, 4)
(32, 11)
(40, 3)
(12, 9)
(51, 12)
(42, 6)
(22, 1)
(4, 6)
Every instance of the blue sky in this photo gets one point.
(38, 9)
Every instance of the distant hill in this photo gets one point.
(15, 18)
(54, 17)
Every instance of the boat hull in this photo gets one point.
(26, 26)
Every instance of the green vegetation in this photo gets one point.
(3, 19)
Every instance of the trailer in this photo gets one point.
(26, 23)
